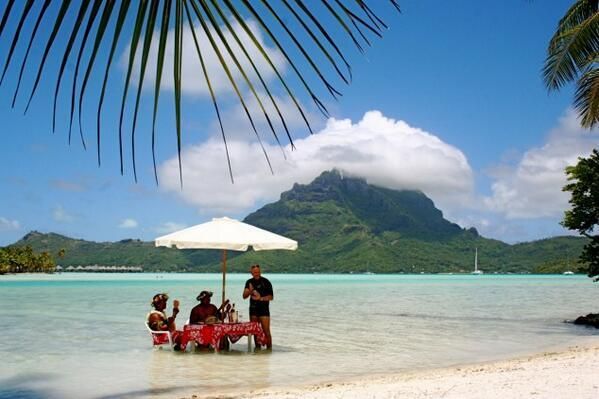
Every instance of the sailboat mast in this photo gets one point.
(476, 259)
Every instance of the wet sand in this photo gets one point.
(567, 373)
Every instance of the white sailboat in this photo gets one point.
(476, 271)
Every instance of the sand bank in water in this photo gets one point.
(571, 373)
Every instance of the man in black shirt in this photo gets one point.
(259, 289)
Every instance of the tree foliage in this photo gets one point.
(572, 55)
(15, 259)
(584, 214)
(85, 36)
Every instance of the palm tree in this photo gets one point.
(573, 55)
(297, 30)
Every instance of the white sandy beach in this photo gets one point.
(569, 373)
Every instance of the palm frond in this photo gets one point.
(266, 57)
(139, 21)
(231, 79)
(579, 12)
(57, 24)
(244, 74)
(255, 69)
(159, 66)
(16, 36)
(586, 99)
(145, 53)
(124, 9)
(296, 30)
(210, 89)
(40, 17)
(5, 15)
(571, 52)
(104, 19)
(177, 78)
(65, 57)
(88, 27)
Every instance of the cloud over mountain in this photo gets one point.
(384, 151)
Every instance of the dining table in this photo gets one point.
(212, 334)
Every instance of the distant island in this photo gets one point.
(343, 225)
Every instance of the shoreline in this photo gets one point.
(565, 371)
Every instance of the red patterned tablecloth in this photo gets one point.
(211, 334)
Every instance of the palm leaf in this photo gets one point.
(35, 28)
(15, 39)
(57, 24)
(316, 40)
(210, 89)
(341, 22)
(586, 99)
(231, 79)
(151, 21)
(267, 30)
(5, 15)
(177, 79)
(88, 27)
(571, 52)
(65, 57)
(124, 9)
(255, 69)
(295, 28)
(166, 12)
(324, 32)
(139, 20)
(244, 74)
(269, 61)
(580, 11)
(334, 92)
(106, 14)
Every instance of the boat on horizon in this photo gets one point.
(476, 271)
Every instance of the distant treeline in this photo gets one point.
(16, 259)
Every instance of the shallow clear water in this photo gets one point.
(82, 335)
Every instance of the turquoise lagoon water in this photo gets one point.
(82, 335)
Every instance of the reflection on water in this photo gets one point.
(83, 335)
(208, 372)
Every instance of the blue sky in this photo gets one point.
(450, 101)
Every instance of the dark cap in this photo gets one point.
(204, 294)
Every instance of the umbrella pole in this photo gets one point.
(224, 273)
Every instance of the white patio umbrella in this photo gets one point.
(224, 233)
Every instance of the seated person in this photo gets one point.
(158, 321)
(205, 312)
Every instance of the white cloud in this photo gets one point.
(169, 227)
(128, 224)
(532, 188)
(6, 224)
(62, 216)
(384, 151)
(191, 69)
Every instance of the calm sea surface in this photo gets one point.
(82, 335)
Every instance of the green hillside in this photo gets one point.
(121, 253)
(342, 225)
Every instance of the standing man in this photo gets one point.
(259, 289)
